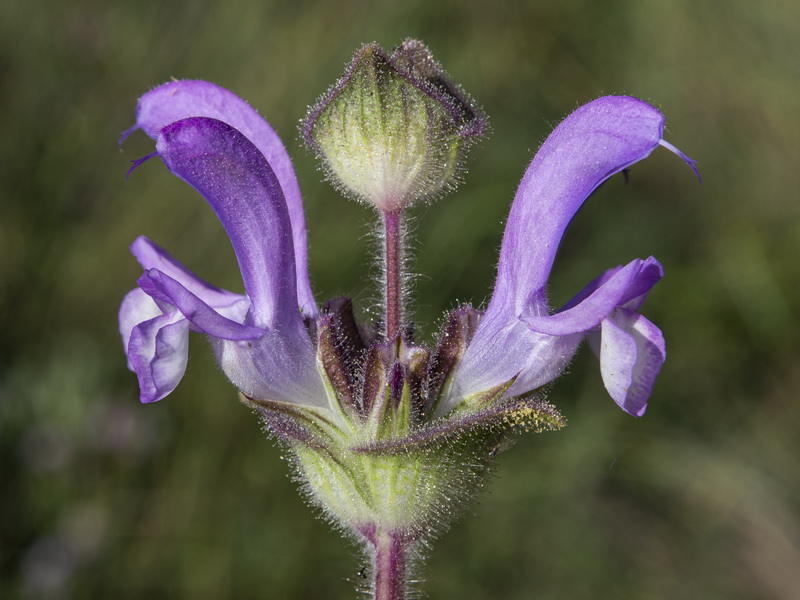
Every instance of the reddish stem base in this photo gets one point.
(389, 552)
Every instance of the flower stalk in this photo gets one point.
(393, 272)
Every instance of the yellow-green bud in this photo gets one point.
(393, 129)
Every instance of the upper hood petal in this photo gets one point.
(179, 100)
(235, 178)
(596, 141)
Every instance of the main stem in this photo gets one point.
(393, 259)
(389, 564)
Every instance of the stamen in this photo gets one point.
(124, 135)
(689, 161)
(138, 162)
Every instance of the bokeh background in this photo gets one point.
(102, 497)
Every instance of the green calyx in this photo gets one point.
(382, 457)
(393, 130)
(414, 492)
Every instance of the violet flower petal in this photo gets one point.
(156, 335)
(278, 366)
(137, 307)
(162, 287)
(650, 273)
(178, 100)
(631, 349)
(632, 352)
(595, 307)
(158, 351)
(508, 350)
(155, 355)
(236, 180)
(626, 286)
(152, 256)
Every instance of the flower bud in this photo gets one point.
(393, 129)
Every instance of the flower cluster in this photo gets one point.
(387, 432)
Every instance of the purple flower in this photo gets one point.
(517, 337)
(219, 145)
(267, 341)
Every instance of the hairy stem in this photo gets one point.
(393, 259)
(389, 565)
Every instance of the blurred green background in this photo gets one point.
(102, 497)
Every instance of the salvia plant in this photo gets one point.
(389, 436)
